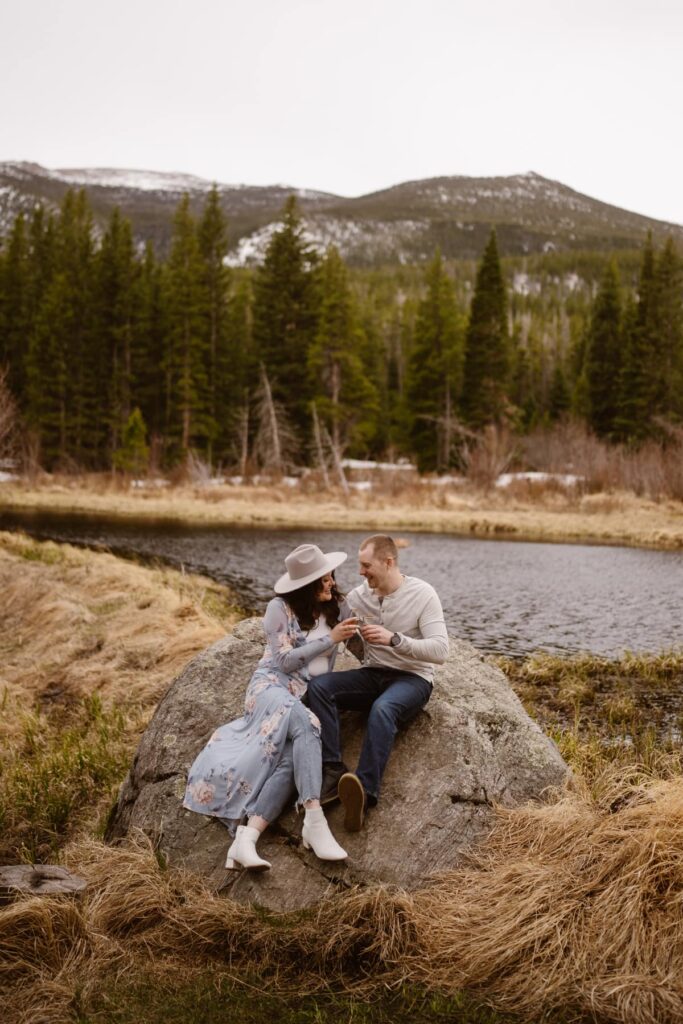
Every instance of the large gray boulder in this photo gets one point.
(473, 746)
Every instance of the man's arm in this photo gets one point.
(431, 646)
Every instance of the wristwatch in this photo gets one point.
(395, 639)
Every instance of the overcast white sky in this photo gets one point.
(350, 96)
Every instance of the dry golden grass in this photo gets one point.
(578, 905)
(88, 644)
(524, 513)
(75, 622)
(575, 907)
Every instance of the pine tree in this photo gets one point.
(48, 366)
(522, 386)
(345, 398)
(15, 317)
(604, 354)
(396, 406)
(64, 390)
(668, 399)
(435, 374)
(487, 358)
(559, 399)
(133, 454)
(636, 372)
(115, 301)
(213, 247)
(189, 418)
(285, 315)
(75, 250)
(241, 379)
(149, 357)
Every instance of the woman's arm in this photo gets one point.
(287, 658)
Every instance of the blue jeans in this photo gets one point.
(390, 696)
(298, 770)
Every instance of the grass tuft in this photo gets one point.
(53, 776)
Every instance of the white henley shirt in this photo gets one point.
(413, 610)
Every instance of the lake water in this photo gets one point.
(505, 597)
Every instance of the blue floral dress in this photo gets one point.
(240, 756)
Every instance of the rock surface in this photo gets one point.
(472, 746)
(38, 880)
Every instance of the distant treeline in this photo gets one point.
(114, 356)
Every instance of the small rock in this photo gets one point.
(38, 880)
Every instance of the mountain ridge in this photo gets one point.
(402, 223)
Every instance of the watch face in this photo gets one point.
(395, 640)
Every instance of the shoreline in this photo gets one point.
(603, 519)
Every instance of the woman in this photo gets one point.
(251, 767)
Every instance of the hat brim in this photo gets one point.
(333, 559)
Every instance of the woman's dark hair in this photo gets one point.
(306, 606)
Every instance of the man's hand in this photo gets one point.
(376, 635)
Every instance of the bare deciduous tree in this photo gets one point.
(322, 461)
(337, 461)
(276, 441)
(489, 455)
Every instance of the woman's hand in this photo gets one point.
(344, 630)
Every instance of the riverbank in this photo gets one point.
(524, 513)
(559, 917)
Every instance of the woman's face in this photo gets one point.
(325, 587)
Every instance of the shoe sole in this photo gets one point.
(352, 797)
(235, 865)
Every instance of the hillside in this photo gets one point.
(401, 224)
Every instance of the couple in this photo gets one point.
(251, 768)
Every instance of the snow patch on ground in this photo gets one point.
(155, 482)
(370, 464)
(563, 479)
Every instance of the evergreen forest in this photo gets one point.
(118, 359)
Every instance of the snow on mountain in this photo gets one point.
(401, 224)
(146, 181)
(356, 241)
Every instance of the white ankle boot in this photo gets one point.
(316, 835)
(242, 853)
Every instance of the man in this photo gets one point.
(404, 636)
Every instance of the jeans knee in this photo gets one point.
(302, 721)
(298, 714)
(312, 690)
(317, 686)
(384, 715)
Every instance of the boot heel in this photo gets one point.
(232, 865)
(306, 844)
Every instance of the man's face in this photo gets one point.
(374, 569)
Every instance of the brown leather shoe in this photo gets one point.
(352, 796)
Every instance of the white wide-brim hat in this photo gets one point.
(305, 564)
